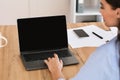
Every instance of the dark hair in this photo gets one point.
(116, 4)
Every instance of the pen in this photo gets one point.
(97, 35)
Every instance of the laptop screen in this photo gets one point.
(42, 33)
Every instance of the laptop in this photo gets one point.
(41, 37)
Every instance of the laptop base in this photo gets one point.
(39, 64)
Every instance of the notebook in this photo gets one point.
(41, 37)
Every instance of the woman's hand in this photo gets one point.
(55, 67)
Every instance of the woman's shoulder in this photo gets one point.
(109, 46)
(108, 54)
(101, 63)
(105, 52)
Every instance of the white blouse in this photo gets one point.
(102, 64)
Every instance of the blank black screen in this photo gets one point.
(42, 33)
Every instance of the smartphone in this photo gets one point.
(81, 33)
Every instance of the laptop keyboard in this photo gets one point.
(45, 55)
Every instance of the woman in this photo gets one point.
(104, 63)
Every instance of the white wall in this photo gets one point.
(10, 10)
(49, 7)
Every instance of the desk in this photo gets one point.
(11, 67)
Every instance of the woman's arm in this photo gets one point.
(55, 67)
